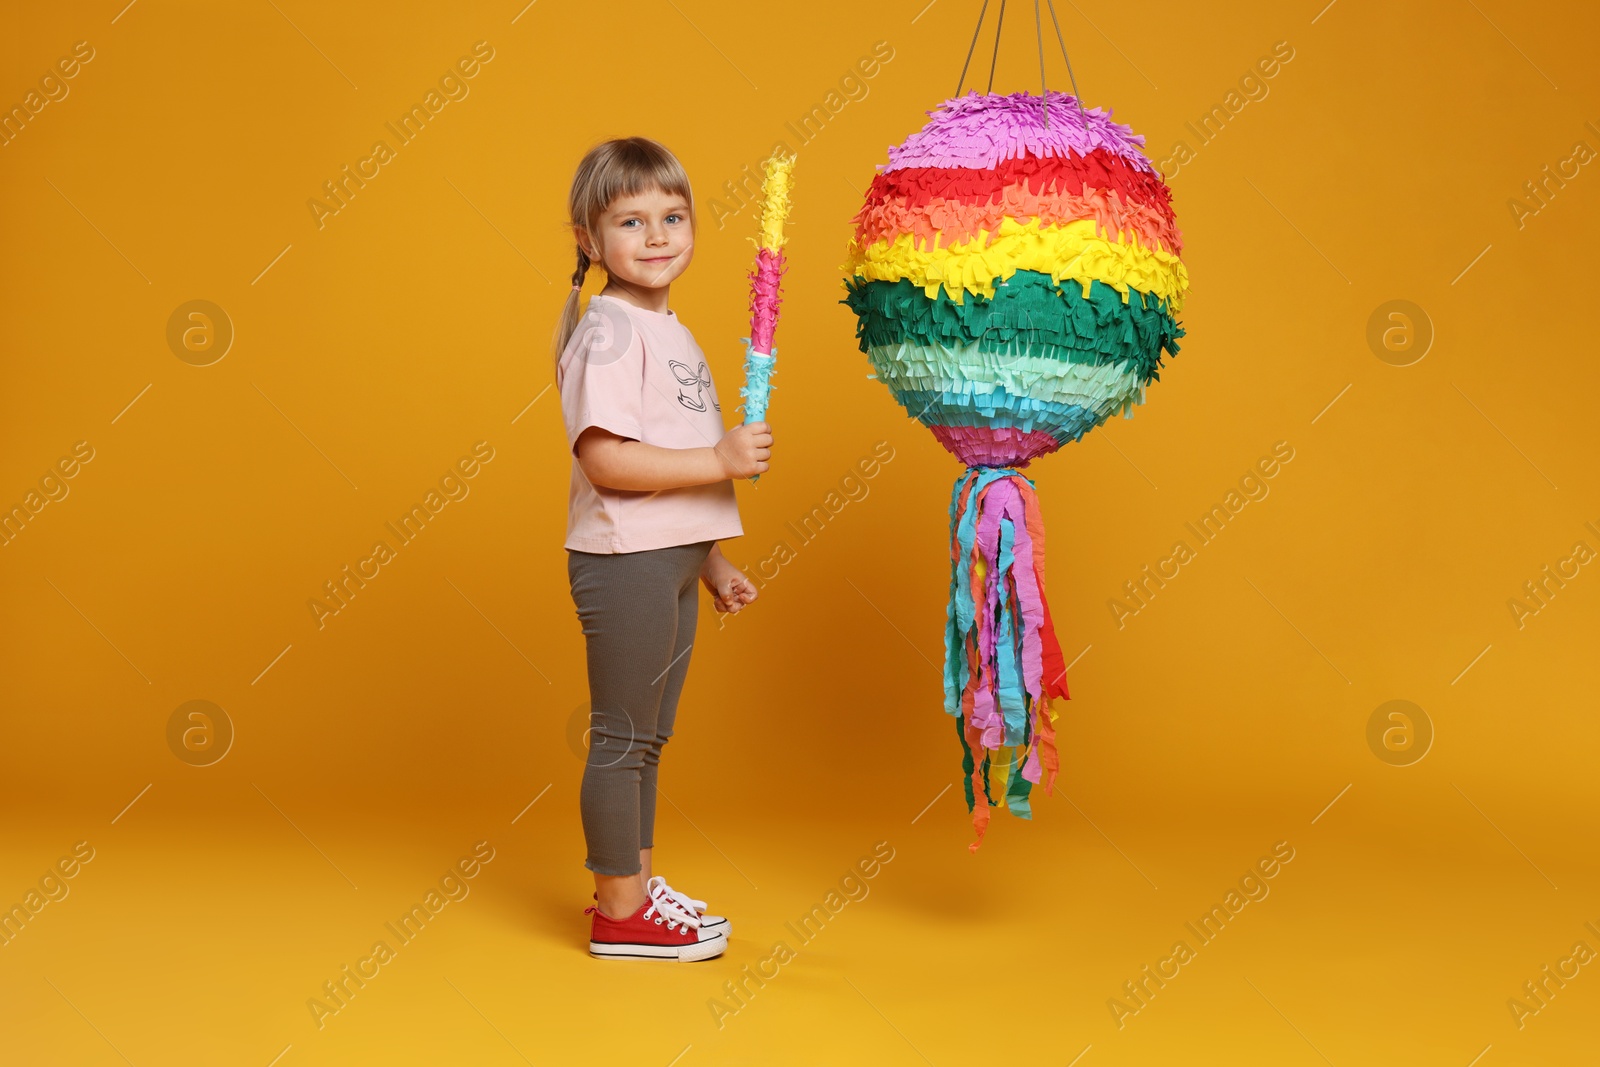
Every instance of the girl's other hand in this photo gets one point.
(730, 589)
(745, 450)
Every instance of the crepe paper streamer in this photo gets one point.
(1002, 660)
(1014, 284)
(760, 355)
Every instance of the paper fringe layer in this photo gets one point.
(982, 130)
(1070, 251)
(994, 446)
(775, 204)
(967, 388)
(765, 298)
(1034, 359)
(1002, 660)
(1080, 176)
(769, 251)
(1028, 315)
(758, 370)
(944, 222)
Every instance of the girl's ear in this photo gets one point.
(581, 235)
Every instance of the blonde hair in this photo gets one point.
(622, 167)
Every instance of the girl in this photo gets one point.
(651, 494)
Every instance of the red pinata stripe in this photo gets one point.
(1099, 170)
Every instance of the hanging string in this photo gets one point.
(1075, 94)
(998, 23)
(976, 30)
(1039, 35)
(1044, 86)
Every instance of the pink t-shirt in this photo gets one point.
(639, 374)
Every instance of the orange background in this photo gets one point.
(372, 352)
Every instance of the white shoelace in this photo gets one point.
(682, 900)
(666, 905)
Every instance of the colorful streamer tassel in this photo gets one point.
(1014, 283)
(1002, 662)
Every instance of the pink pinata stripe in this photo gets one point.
(764, 299)
(994, 446)
(982, 131)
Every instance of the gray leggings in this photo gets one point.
(638, 611)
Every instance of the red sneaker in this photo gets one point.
(709, 922)
(715, 924)
(658, 930)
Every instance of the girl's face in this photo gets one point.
(647, 238)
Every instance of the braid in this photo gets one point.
(566, 323)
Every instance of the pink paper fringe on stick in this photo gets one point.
(765, 299)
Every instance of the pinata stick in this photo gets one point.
(760, 355)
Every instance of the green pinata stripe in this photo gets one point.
(1029, 315)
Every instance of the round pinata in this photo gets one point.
(1014, 271)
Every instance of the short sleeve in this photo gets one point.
(598, 389)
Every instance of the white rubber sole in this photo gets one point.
(685, 953)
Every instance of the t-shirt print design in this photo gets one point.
(700, 379)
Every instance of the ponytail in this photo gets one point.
(568, 321)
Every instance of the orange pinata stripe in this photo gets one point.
(941, 221)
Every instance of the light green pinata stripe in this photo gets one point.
(972, 371)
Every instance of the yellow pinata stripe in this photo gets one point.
(1070, 251)
(775, 200)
